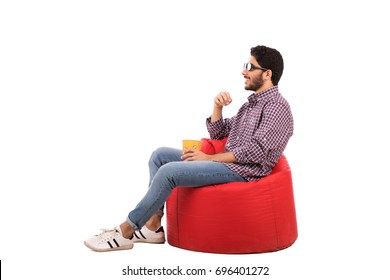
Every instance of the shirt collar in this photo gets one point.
(255, 97)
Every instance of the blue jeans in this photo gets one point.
(168, 171)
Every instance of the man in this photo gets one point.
(257, 136)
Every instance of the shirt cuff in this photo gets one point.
(214, 127)
(239, 154)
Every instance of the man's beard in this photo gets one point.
(255, 84)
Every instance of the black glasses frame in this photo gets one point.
(251, 67)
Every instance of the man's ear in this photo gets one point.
(268, 74)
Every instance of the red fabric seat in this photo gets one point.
(250, 217)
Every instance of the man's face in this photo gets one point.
(254, 77)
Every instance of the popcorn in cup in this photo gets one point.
(192, 145)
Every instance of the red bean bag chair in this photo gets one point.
(234, 218)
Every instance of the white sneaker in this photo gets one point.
(109, 240)
(148, 236)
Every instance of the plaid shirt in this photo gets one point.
(257, 135)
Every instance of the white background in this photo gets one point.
(90, 88)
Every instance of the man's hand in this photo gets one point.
(194, 155)
(222, 99)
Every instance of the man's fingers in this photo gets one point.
(223, 98)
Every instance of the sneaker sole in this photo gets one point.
(126, 247)
(150, 240)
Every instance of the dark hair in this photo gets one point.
(271, 59)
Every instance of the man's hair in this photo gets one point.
(271, 59)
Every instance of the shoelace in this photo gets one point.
(107, 234)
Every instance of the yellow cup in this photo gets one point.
(192, 145)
